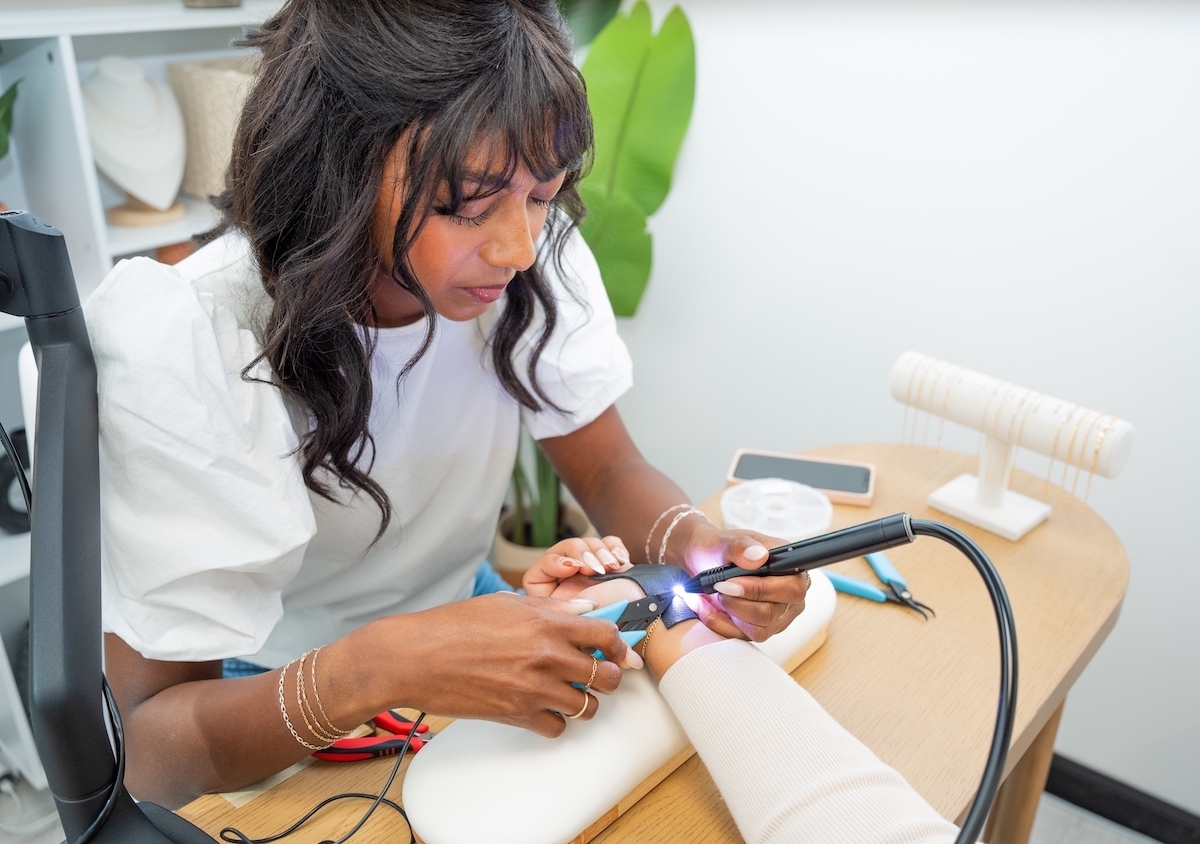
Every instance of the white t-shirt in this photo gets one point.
(212, 546)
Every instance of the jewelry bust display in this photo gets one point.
(136, 132)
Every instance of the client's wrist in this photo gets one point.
(666, 646)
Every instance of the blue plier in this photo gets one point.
(632, 619)
(896, 591)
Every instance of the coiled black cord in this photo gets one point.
(110, 704)
(993, 771)
(235, 836)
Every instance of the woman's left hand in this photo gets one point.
(754, 608)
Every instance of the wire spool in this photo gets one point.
(777, 507)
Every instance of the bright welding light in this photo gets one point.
(679, 591)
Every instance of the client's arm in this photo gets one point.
(792, 773)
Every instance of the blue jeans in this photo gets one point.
(486, 582)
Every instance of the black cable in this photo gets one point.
(18, 469)
(110, 703)
(238, 837)
(114, 792)
(993, 771)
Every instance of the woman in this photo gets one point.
(307, 428)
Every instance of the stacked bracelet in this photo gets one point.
(286, 719)
(654, 527)
(327, 733)
(312, 675)
(688, 510)
(662, 549)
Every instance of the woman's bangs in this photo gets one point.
(534, 117)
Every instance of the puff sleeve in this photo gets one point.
(204, 513)
(585, 367)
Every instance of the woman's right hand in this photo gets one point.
(501, 657)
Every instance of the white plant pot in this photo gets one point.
(511, 561)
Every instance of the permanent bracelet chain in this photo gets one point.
(649, 632)
(657, 522)
(679, 517)
(283, 710)
(312, 675)
(688, 510)
(327, 733)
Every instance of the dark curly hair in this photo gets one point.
(341, 84)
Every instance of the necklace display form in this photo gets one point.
(137, 139)
(1008, 417)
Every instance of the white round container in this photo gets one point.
(777, 507)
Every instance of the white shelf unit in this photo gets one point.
(51, 46)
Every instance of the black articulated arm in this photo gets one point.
(67, 689)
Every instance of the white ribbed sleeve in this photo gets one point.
(787, 770)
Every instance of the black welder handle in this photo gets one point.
(806, 554)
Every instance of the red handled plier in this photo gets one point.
(392, 722)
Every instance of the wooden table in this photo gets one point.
(920, 694)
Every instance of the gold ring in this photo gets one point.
(807, 580)
(591, 679)
(586, 700)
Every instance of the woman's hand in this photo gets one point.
(665, 646)
(570, 557)
(753, 608)
(502, 657)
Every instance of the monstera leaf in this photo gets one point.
(587, 17)
(641, 86)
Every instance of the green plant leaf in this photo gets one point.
(641, 88)
(520, 490)
(7, 99)
(615, 229)
(546, 511)
(587, 17)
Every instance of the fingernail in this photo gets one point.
(583, 602)
(589, 560)
(632, 660)
(622, 553)
(605, 557)
(754, 553)
(731, 589)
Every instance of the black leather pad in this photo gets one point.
(655, 580)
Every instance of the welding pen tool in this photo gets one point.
(818, 551)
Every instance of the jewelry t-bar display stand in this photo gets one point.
(1009, 417)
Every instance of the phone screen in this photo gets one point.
(832, 476)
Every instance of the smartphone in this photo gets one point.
(844, 481)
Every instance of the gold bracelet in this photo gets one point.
(1062, 483)
(1054, 450)
(305, 708)
(1082, 449)
(312, 675)
(316, 727)
(283, 709)
(1112, 420)
(945, 403)
(920, 390)
(646, 641)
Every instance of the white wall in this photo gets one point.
(1014, 187)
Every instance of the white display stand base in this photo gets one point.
(1016, 516)
(481, 781)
